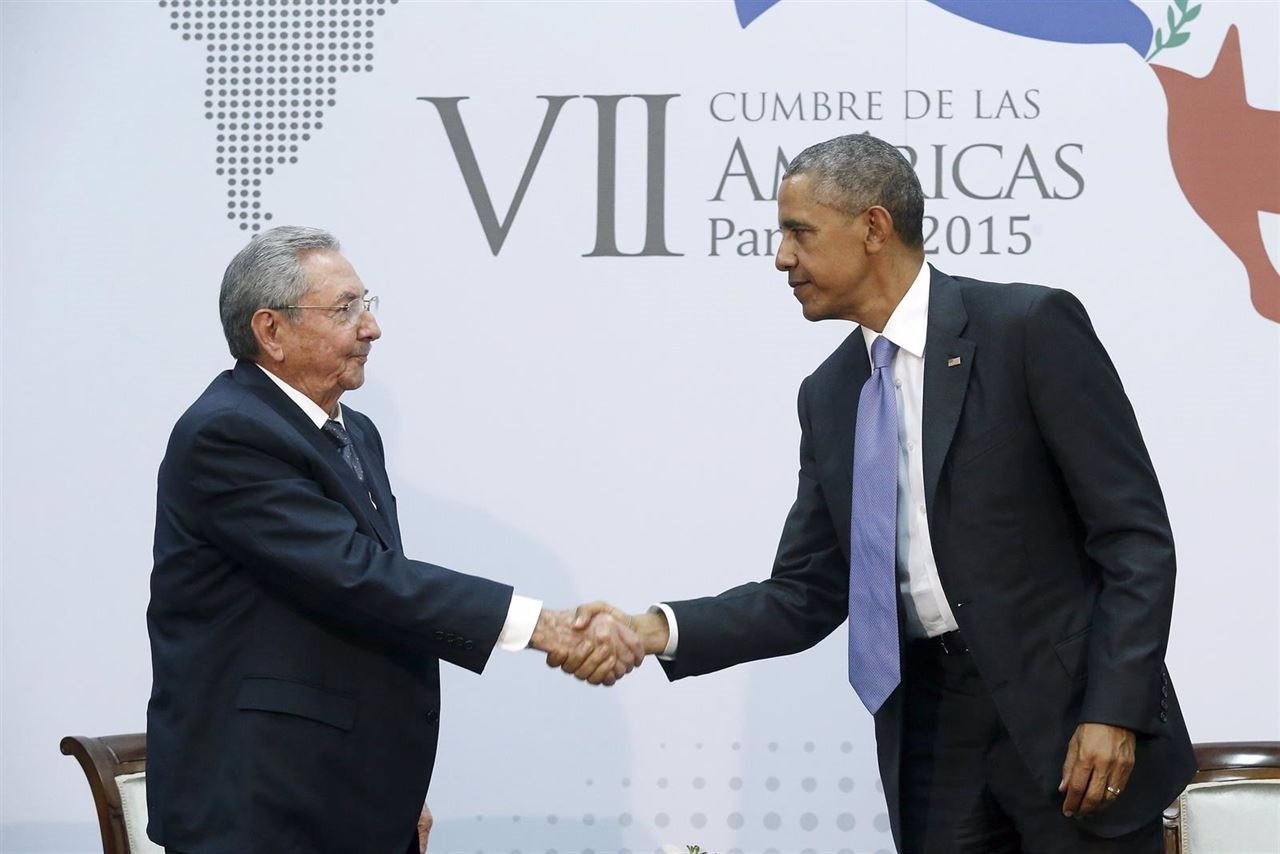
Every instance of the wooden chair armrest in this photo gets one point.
(103, 759)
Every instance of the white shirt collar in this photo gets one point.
(908, 326)
(306, 404)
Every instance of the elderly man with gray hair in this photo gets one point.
(295, 648)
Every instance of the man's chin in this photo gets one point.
(812, 313)
(353, 378)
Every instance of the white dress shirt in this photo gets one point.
(926, 609)
(523, 613)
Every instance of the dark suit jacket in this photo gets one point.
(295, 650)
(1048, 527)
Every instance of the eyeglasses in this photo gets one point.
(348, 313)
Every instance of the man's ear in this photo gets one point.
(268, 328)
(879, 229)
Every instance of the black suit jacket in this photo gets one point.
(295, 649)
(1048, 528)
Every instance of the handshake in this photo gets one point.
(597, 642)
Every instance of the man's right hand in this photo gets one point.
(650, 627)
(599, 649)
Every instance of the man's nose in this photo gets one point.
(369, 328)
(785, 259)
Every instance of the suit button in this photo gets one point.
(469, 645)
(1164, 717)
(433, 716)
(1164, 704)
(1164, 692)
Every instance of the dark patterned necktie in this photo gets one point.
(874, 668)
(338, 434)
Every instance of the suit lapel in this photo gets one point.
(948, 359)
(356, 496)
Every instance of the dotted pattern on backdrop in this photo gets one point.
(273, 68)
(786, 826)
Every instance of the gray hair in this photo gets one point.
(857, 171)
(266, 274)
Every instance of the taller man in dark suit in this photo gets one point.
(975, 497)
(295, 648)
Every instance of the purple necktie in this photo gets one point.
(874, 669)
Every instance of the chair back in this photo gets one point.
(116, 768)
(1231, 805)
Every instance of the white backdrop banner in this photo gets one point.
(588, 371)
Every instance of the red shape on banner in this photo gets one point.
(1224, 155)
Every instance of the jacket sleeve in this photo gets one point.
(803, 601)
(256, 501)
(1089, 426)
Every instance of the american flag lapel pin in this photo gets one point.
(953, 361)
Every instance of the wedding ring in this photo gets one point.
(1113, 792)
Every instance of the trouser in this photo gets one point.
(964, 788)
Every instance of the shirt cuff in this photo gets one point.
(673, 631)
(522, 619)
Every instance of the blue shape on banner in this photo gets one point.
(1095, 22)
(749, 10)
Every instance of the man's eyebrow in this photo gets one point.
(792, 224)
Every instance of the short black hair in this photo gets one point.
(856, 171)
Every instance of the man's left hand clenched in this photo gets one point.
(1099, 761)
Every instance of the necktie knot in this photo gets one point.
(337, 433)
(882, 352)
(342, 439)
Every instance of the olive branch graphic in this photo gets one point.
(1176, 23)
